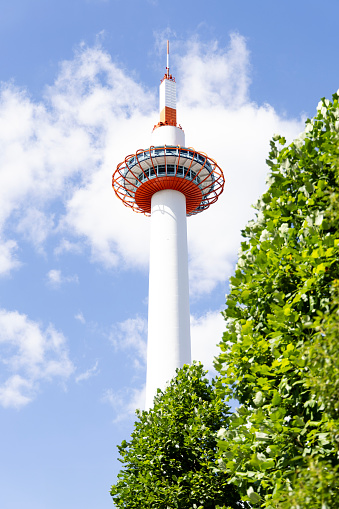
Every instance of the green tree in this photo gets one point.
(279, 354)
(169, 461)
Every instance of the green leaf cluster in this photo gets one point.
(279, 354)
(169, 461)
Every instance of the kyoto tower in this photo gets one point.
(168, 182)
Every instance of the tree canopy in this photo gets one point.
(169, 461)
(279, 355)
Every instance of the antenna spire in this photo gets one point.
(167, 68)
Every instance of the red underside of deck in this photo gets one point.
(144, 193)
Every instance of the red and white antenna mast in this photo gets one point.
(168, 182)
(167, 58)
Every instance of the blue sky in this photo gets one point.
(79, 91)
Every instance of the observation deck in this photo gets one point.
(146, 172)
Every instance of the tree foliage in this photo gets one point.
(169, 461)
(279, 355)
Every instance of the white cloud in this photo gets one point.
(206, 334)
(130, 336)
(8, 259)
(211, 76)
(125, 402)
(56, 279)
(29, 355)
(65, 149)
(61, 143)
(65, 246)
(93, 371)
(37, 154)
(35, 226)
(16, 392)
(80, 317)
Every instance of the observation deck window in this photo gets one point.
(169, 170)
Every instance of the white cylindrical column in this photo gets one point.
(169, 342)
(168, 135)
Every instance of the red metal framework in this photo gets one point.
(168, 77)
(192, 173)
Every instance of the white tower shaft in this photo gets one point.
(169, 342)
